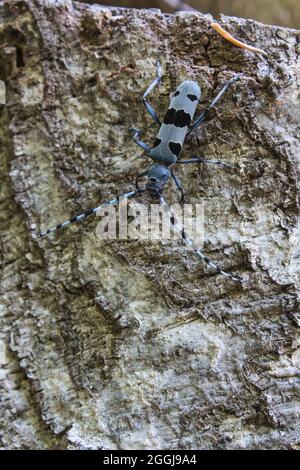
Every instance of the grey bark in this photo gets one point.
(126, 344)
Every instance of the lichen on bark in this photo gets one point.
(130, 345)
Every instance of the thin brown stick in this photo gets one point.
(236, 42)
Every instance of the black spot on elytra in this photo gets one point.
(178, 118)
(175, 148)
(177, 93)
(192, 97)
(157, 142)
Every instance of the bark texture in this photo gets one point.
(127, 344)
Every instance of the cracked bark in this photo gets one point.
(126, 344)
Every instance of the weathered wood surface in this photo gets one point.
(125, 344)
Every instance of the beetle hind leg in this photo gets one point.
(149, 108)
(136, 137)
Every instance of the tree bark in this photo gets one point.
(124, 344)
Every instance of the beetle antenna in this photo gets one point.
(189, 242)
(85, 214)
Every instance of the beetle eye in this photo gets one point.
(153, 180)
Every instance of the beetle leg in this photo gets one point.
(204, 113)
(136, 135)
(202, 160)
(149, 108)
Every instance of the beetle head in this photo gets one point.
(157, 175)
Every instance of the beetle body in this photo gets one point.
(177, 124)
(173, 130)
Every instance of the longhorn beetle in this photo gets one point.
(176, 126)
